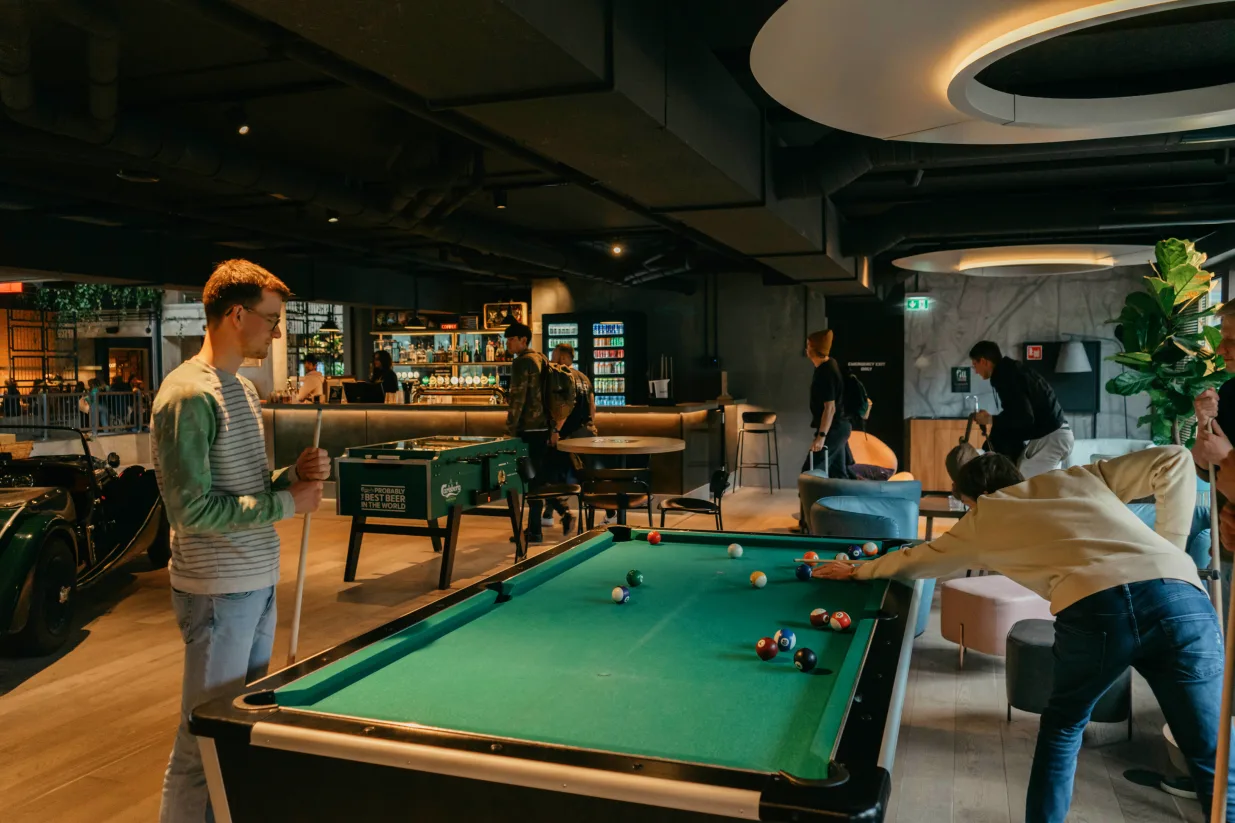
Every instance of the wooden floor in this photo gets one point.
(84, 736)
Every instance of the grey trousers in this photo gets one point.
(1046, 453)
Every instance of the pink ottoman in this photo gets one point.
(978, 612)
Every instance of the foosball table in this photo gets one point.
(429, 479)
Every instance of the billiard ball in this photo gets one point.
(620, 594)
(840, 621)
(870, 549)
(634, 577)
(766, 648)
(735, 550)
(804, 659)
(758, 579)
(819, 618)
(843, 556)
(810, 557)
(785, 640)
(802, 571)
(653, 537)
(855, 553)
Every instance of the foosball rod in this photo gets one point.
(304, 556)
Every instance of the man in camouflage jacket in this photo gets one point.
(525, 414)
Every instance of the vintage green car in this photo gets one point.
(65, 520)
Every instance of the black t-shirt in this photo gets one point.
(387, 378)
(826, 385)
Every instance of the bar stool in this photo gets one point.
(760, 423)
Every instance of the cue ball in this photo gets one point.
(870, 549)
(819, 618)
(653, 537)
(758, 579)
(805, 660)
(634, 577)
(620, 594)
(802, 571)
(843, 556)
(840, 621)
(785, 640)
(735, 550)
(810, 557)
(766, 648)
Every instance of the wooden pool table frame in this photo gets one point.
(260, 759)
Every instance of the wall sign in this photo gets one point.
(1033, 352)
(917, 303)
(960, 379)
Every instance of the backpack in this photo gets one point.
(856, 401)
(558, 389)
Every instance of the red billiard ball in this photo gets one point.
(819, 618)
(811, 557)
(766, 648)
(653, 537)
(840, 621)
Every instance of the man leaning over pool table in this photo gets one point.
(1122, 595)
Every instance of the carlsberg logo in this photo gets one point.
(451, 490)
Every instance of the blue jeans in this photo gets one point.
(227, 643)
(1168, 631)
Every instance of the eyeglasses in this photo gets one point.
(272, 320)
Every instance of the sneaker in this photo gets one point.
(610, 517)
(568, 524)
(547, 520)
(1179, 786)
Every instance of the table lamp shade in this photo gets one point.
(1073, 359)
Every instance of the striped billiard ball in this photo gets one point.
(758, 579)
(840, 621)
(785, 640)
(620, 594)
(810, 557)
(819, 618)
(870, 549)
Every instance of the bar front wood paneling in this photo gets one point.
(928, 441)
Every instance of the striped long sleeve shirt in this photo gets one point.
(218, 491)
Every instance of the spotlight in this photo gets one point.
(332, 216)
(499, 198)
(239, 120)
(617, 249)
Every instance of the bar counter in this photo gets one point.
(289, 429)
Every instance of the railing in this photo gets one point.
(98, 412)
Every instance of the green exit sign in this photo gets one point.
(919, 303)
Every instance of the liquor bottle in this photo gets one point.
(467, 355)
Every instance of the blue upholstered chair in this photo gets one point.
(865, 509)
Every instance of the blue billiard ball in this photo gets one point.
(802, 571)
(856, 552)
(786, 640)
(620, 594)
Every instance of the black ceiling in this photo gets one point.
(594, 122)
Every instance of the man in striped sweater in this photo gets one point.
(222, 502)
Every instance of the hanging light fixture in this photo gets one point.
(1073, 359)
(330, 327)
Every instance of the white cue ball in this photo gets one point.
(735, 550)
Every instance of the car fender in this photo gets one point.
(21, 538)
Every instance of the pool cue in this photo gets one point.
(1222, 762)
(304, 557)
(1215, 561)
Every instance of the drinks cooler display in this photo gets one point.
(610, 347)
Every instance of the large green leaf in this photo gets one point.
(1213, 336)
(1169, 355)
(1130, 383)
(1145, 304)
(1169, 254)
(1160, 430)
(1134, 359)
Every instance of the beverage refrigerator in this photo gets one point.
(611, 348)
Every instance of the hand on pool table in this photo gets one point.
(836, 570)
(313, 464)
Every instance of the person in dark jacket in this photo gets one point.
(1031, 430)
(829, 423)
(384, 375)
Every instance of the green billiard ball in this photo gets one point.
(634, 577)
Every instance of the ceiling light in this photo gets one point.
(239, 120)
(332, 216)
(617, 249)
(136, 176)
(330, 327)
(1046, 260)
(499, 198)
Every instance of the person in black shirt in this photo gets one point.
(384, 374)
(828, 419)
(1031, 430)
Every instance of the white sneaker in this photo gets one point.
(609, 518)
(546, 520)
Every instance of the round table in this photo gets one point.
(932, 507)
(621, 446)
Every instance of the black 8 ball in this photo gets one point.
(805, 660)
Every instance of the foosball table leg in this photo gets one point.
(353, 549)
(436, 539)
(453, 522)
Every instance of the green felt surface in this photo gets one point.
(671, 674)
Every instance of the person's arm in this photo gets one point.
(1165, 472)
(516, 397)
(185, 427)
(954, 551)
(306, 389)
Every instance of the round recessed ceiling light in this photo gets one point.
(1028, 261)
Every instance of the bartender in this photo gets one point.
(313, 386)
(1031, 431)
(384, 375)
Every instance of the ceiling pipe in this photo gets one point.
(841, 158)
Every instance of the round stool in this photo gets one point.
(1030, 676)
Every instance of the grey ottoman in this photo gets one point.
(1030, 675)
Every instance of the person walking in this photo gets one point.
(526, 417)
(222, 503)
(829, 421)
(581, 422)
(1031, 431)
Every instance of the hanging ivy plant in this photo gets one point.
(83, 302)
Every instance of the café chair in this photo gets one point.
(621, 489)
(693, 505)
(760, 424)
(546, 491)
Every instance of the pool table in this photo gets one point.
(532, 695)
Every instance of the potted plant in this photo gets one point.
(1170, 354)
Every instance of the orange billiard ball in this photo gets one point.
(653, 537)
